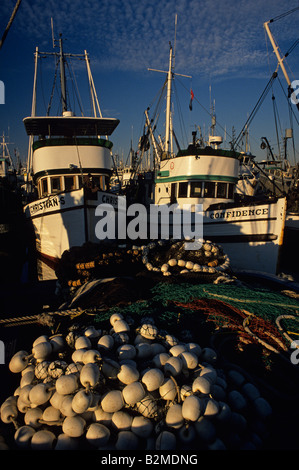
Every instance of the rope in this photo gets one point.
(285, 334)
(282, 15)
(45, 317)
(257, 106)
(13, 320)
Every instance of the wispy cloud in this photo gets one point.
(215, 38)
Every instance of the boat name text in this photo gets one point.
(239, 213)
(47, 204)
(108, 199)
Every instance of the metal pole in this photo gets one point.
(168, 103)
(10, 23)
(276, 51)
(62, 77)
(33, 112)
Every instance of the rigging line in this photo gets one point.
(290, 106)
(257, 106)
(180, 114)
(75, 85)
(283, 15)
(158, 94)
(291, 115)
(156, 113)
(293, 140)
(53, 88)
(292, 48)
(275, 120)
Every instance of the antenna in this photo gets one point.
(175, 26)
(52, 28)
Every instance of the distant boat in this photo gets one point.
(69, 165)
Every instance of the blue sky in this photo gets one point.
(220, 43)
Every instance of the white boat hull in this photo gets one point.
(251, 235)
(63, 221)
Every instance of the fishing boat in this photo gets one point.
(251, 233)
(69, 167)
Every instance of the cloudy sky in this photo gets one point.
(219, 43)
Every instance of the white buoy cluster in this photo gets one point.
(129, 388)
(206, 257)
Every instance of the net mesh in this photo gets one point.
(250, 311)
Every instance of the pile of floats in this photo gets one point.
(130, 386)
(200, 258)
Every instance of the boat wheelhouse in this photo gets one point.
(69, 153)
(197, 176)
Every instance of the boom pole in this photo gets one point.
(279, 58)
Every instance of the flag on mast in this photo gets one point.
(191, 99)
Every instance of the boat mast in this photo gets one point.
(168, 102)
(62, 75)
(33, 112)
(170, 75)
(95, 101)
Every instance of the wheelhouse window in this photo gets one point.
(209, 189)
(183, 189)
(100, 182)
(69, 183)
(203, 189)
(221, 190)
(196, 189)
(44, 187)
(173, 193)
(55, 184)
(230, 194)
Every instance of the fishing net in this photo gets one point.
(250, 312)
(189, 299)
